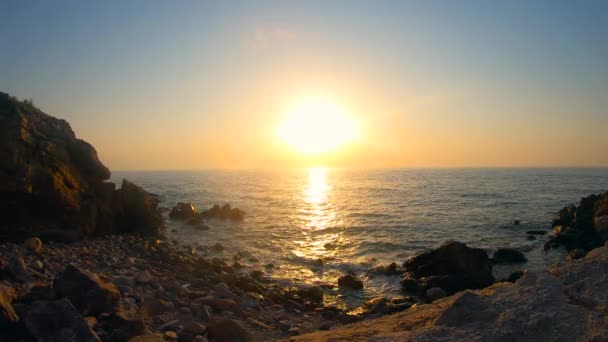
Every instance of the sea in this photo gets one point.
(313, 225)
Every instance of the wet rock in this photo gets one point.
(18, 269)
(183, 211)
(453, 267)
(56, 321)
(314, 292)
(90, 295)
(508, 255)
(218, 247)
(224, 212)
(435, 293)
(33, 244)
(350, 282)
(227, 330)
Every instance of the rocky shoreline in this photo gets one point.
(83, 261)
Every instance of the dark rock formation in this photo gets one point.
(189, 213)
(86, 291)
(183, 211)
(581, 227)
(225, 329)
(52, 184)
(453, 267)
(350, 282)
(56, 321)
(508, 255)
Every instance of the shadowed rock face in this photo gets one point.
(52, 184)
(453, 267)
(581, 227)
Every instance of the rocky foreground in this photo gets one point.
(566, 303)
(125, 288)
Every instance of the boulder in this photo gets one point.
(56, 321)
(508, 255)
(350, 282)
(125, 324)
(53, 185)
(435, 293)
(183, 211)
(581, 227)
(33, 244)
(18, 269)
(90, 295)
(7, 312)
(453, 267)
(227, 330)
(224, 212)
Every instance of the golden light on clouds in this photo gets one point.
(316, 126)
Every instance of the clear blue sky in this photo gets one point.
(195, 84)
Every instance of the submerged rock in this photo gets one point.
(453, 267)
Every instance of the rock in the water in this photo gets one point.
(56, 321)
(435, 293)
(86, 291)
(33, 244)
(315, 293)
(453, 267)
(508, 255)
(183, 211)
(350, 282)
(224, 212)
(227, 330)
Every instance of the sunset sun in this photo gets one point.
(317, 126)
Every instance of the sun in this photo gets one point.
(317, 126)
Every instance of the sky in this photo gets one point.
(159, 85)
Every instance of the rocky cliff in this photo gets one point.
(566, 303)
(53, 185)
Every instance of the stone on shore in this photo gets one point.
(566, 304)
(56, 321)
(227, 330)
(18, 269)
(90, 295)
(33, 244)
(581, 227)
(453, 267)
